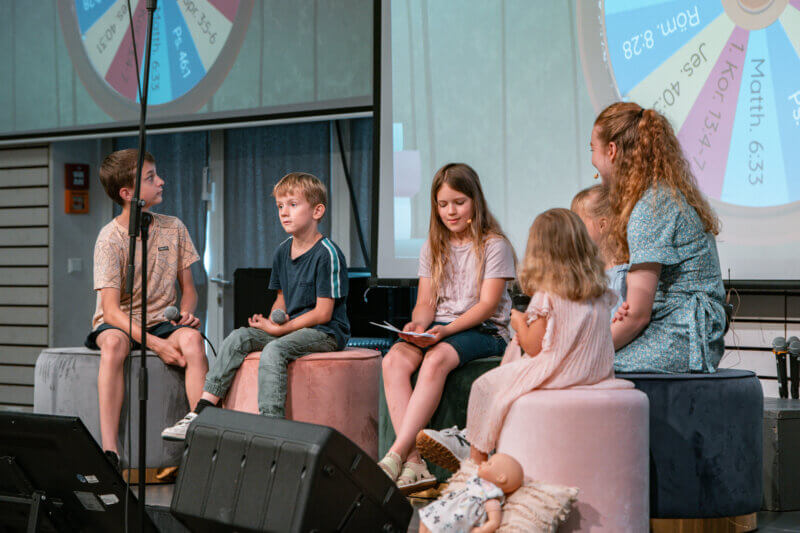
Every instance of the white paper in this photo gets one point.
(390, 327)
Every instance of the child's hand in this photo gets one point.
(168, 353)
(519, 320)
(258, 321)
(439, 332)
(413, 327)
(622, 312)
(188, 319)
(266, 324)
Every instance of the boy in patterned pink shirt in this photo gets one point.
(170, 253)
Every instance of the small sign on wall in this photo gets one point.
(76, 185)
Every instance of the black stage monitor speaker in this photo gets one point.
(244, 472)
(54, 477)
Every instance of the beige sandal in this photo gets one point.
(391, 464)
(415, 478)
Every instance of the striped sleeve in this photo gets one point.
(331, 272)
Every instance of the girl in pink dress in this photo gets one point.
(564, 333)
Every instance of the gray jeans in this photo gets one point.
(276, 354)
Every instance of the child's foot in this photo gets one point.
(178, 431)
(113, 458)
(414, 478)
(445, 448)
(391, 464)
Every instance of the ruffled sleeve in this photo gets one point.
(655, 227)
(541, 305)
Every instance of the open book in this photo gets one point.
(390, 327)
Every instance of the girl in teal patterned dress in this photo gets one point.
(674, 317)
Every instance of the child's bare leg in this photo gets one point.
(207, 396)
(477, 456)
(190, 343)
(398, 365)
(423, 528)
(114, 348)
(438, 362)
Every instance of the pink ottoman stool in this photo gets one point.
(334, 389)
(593, 438)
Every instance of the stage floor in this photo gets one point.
(160, 496)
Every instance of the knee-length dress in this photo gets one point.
(687, 324)
(576, 350)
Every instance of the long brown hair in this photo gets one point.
(648, 153)
(561, 258)
(462, 178)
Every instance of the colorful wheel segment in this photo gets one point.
(192, 39)
(727, 75)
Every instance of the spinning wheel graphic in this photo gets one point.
(195, 43)
(727, 75)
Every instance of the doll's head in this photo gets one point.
(502, 470)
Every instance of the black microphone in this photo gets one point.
(519, 300)
(794, 365)
(779, 346)
(278, 316)
(171, 313)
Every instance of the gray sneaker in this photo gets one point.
(445, 448)
(178, 431)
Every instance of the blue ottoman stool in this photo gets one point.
(705, 443)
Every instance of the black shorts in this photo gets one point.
(161, 330)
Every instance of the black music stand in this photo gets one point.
(54, 477)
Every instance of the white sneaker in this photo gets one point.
(445, 448)
(178, 431)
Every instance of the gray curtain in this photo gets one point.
(255, 159)
(180, 159)
(358, 154)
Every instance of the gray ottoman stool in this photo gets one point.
(66, 384)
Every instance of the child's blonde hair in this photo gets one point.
(594, 203)
(462, 178)
(648, 153)
(312, 189)
(561, 258)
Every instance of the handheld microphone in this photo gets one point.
(779, 347)
(171, 313)
(278, 316)
(794, 365)
(519, 300)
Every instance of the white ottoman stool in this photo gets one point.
(66, 384)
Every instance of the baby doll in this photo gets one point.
(476, 507)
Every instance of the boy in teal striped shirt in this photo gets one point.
(310, 274)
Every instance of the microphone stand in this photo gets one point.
(136, 223)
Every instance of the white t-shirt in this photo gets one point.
(459, 287)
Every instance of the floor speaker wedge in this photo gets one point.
(244, 472)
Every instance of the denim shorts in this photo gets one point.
(473, 343)
(161, 330)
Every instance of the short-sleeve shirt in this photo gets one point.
(617, 282)
(169, 250)
(459, 289)
(687, 324)
(320, 272)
